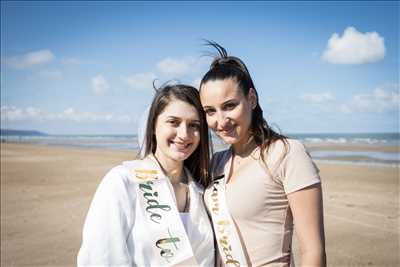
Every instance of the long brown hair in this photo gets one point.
(229, 67)
(198, 162)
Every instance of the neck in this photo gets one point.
(244, 149)
(172, 169)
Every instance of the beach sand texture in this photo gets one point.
(46, 192)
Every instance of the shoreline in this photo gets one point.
(328, 159)
(354, 147)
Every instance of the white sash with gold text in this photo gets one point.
(226, 234)
(162, 236)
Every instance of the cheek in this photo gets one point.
(211, 122)
(242, 116)
(163, 133)
(196, 138)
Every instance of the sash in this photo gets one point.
(227, 237)
(162, 236)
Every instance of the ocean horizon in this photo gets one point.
(126, 142)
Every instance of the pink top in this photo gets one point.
(256, 199)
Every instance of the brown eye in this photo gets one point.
(195, 126)
(209, 112)
(173, 123)
(230, 106)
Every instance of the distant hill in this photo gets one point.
(5, 132)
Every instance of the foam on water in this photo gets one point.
(130, 143)
(354, 154)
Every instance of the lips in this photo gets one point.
(226, 130)
(181, 146)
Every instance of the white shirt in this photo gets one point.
(113, 236)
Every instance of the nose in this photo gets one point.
(183, 131)
(221, 119)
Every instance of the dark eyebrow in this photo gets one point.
(229, 101)
(226, 102)
(207, 107)
(178, 118)
(173, 117)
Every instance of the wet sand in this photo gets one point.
(355, 148)
(46, 191)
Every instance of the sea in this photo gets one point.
(346, 155)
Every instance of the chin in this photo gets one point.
(229, 139)
(178, 156)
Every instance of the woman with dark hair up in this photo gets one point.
(150, 212)
(265, 185)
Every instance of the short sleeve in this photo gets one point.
(298, 170)
(108, 223)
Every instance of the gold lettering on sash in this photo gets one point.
(145, 174)
(223, 240)
(152, 202)
(146, 171)
(166, 252)
(214, 199)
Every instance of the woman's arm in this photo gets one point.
(108, 224)
(307, 209)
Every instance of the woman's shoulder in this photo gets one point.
(296, 148)
(287, 147)
(125, 172)
(116, 178)
(283, 150)
(141, 169)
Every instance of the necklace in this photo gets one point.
(241, 159)
(185, 186)
(187, 200)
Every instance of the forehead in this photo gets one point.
(180, 109)
(219, 91)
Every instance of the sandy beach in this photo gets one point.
(46, 192)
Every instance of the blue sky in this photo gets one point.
(88, 67)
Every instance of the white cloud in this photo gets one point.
(79, 116)
(354, 47)
(30, 59)
(140, 81)
(318, 98)
(182, 66)
(175, 66)
(381, 99)
(72, 115)
(99, 85)
(12, 113)
(124, 119)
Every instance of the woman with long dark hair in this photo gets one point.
(265, 185)
(150, 212)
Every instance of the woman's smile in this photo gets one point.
(227, 130)
(177, 131)
(181, 146)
